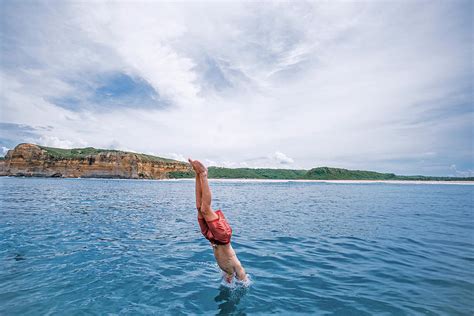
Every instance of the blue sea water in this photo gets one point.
(86, 247)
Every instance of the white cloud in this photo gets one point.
(230, 164)
(4, 150)
(282, 158)
(175, 156)
(274, 160)
(53, 141)
(461, 173)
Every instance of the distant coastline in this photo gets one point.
(400, 182)
(452, 182)
(30, 160)
(315, 174)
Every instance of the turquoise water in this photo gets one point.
(85, 246)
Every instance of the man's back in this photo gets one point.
(228, 262)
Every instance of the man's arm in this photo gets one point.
(240, 271)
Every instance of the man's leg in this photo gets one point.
(198, 196)
(201, 220)
(206, 209)
(203, 192)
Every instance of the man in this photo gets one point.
(215, 227)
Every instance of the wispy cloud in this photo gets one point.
(281, 158)
(4, 150)
(359, 85)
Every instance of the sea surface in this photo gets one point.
(131, 247)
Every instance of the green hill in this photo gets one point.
(246, 173)
(326, 173)
(320, 173)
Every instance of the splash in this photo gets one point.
(235, 283)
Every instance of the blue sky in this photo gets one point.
(385, 86)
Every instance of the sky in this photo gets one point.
(376, 85)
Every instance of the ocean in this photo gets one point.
(133, 247)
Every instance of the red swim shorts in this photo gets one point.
(217, 231)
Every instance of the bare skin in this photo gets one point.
(224, 254)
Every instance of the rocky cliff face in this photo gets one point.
(34, 161)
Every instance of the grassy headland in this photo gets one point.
(245, 173)
(77, 153)
(320, 173)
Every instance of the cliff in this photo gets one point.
(37, 161)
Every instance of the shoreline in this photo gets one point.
(335, 181)
(238, 180)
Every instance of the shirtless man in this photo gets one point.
(215, 227)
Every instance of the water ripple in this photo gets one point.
(133, 247)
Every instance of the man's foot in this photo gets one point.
(193, 165)
(198, 167)
(201, 169)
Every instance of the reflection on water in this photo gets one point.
(229, 298)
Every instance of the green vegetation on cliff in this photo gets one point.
(78, 153)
